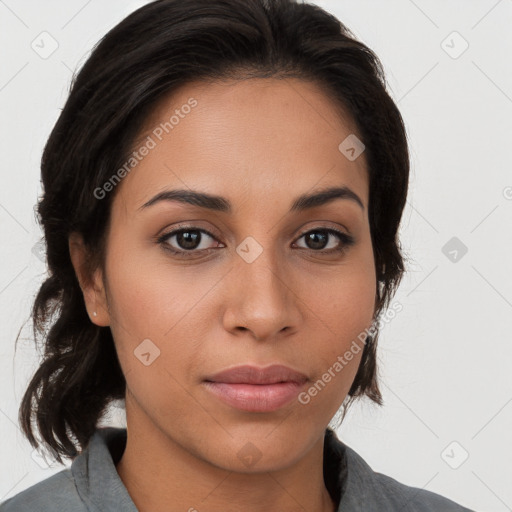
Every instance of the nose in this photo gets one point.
(262, 299)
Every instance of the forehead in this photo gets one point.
(266, 138)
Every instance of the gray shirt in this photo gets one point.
(92, 483)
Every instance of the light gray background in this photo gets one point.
(445, 360)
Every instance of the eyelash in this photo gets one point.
(346, 240)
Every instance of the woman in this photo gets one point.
(222, 195)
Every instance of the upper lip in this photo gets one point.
(248, 374)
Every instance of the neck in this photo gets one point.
(161, 475)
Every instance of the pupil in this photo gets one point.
(188, 239)
(313, 237)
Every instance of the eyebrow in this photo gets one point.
(221, 204)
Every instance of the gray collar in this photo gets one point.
(96, 477)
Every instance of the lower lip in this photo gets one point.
(256, 397)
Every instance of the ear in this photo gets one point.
(91, 285)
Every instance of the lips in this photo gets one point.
(248, 374)
(252, 389)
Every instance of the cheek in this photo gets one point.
(344, 300)
(344, 317)
(148, 294)
(347, 307)
(162, 303)
(344, 312)
(343, 308)
(153, 321)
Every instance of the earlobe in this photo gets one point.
(100, 313)
(91, 285)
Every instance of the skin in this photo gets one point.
(260, 143)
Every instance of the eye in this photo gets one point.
(188, 239)
(317, 239)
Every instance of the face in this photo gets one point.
(250, 282)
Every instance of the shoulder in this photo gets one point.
(369, 490)
(91, 483)
(58, 492)
(413, 499)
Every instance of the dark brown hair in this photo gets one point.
(156, 49)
